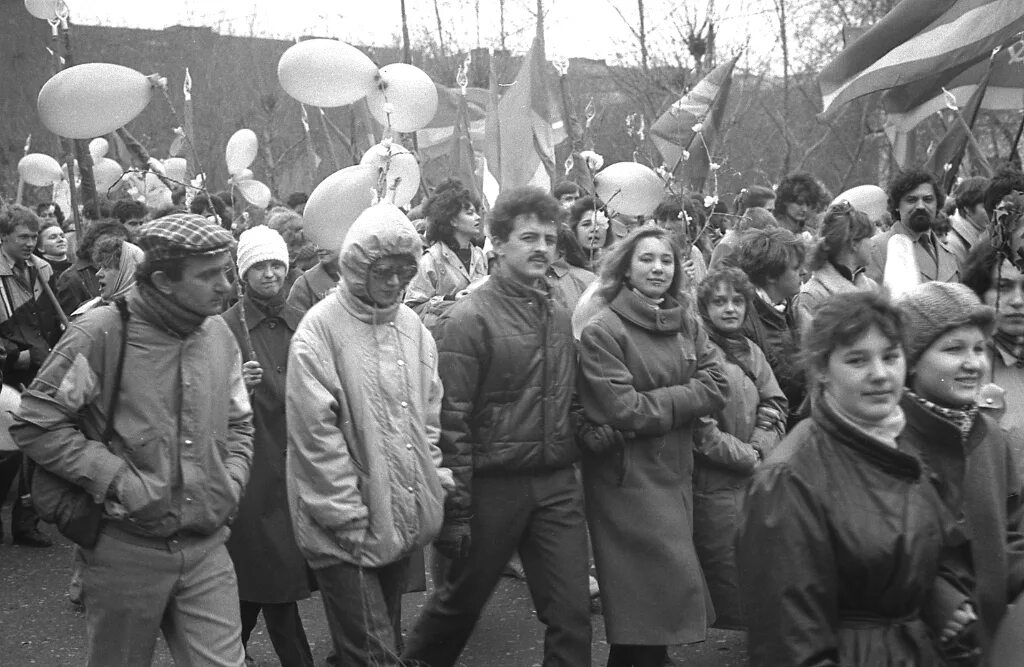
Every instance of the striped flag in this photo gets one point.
(914, 41)
(949, 153)
(908, 105)
(524, 126)
(462, 159)
(673, 132)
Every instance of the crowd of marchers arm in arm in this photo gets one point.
(783, 416)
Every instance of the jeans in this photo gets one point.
(540, 515)
(363, 607)
(185, 587)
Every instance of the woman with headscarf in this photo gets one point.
(730, 444)
(647, 374)
(116, 261)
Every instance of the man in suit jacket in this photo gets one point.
(915, 197)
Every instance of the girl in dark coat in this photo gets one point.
(272, 574)
(647, 369)
(975, 468)
(844, 533)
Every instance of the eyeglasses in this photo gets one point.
(404, 273)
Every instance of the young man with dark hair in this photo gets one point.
(567, 193)
(177, 461)
(508, 365)
(915, 198)
(772, 259)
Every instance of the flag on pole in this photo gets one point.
(908, 105)
(438, 137)
(949, 153)
(917, 39)
(524, 126)
(462, 159)
(703, 107)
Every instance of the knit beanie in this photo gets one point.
(260, 244)
(933, 308)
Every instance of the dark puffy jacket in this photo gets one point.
(778, 336)
(508, 365)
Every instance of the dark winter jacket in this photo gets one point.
(28, 318)
(839, 551)
(508, 365)
(778, 335)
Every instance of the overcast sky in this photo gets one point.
(574, 28)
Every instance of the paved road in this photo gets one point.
(39, 627)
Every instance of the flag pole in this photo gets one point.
(950, 176)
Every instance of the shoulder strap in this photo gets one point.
(122, 308)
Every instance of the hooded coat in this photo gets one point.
(363, 406)
(651, 371)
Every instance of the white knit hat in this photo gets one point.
(258, 245)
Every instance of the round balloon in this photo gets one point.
(868, 199)
(42, 9)
(98, 148)
(629, 187)
(326, 73)
(241, 150)
(403, 171)
(106, 172)
(337, 202)
(404, 97)
(92, 99)
(39, 169)
(254, 192)
(244, 175)
(176, 168)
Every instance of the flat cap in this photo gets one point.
(181, 235)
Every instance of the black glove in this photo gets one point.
(454, 540)
(600, 438)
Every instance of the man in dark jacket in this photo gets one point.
(29, 327)
(508, 366)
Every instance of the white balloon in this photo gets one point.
(39, 169)
(405, 97)
(92, 99)
(335, 204)
(255, 193)
(326, 73)
(98, 148)
(629, 187)
(105, 173)
(241, 150)
(403, 171)
(176, 168)
(42, 9)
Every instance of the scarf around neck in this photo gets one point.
(269, 306)
(885, 431)
(166, 313)
(962, 418)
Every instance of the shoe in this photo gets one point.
(33, 538)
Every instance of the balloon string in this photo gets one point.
(188, 139)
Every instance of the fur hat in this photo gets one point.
(259, 244)
(933, 308)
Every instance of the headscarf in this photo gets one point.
(131, 257)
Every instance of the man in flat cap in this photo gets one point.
(177, 459)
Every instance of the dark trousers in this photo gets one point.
(539, 515)
(284, 625)
(23, 514)
(364, 612)
(628, 655)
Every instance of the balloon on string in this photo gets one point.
(105, 173)
(39, 169)
(254, 192)
(868, 199)
(403, 179)
(241, 150)
(42, 9)
(92, 99)
(404, 96)
(98, 148)
(326, 73)
(176, 168)
(629, 188)
(335, 204)
(244, 175)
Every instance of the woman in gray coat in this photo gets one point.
(648, 371)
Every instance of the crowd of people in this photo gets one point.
(709, 416)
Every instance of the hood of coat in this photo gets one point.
(379, 231)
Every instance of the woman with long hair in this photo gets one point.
(843, 538)
(647, 374)
(452, 261)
